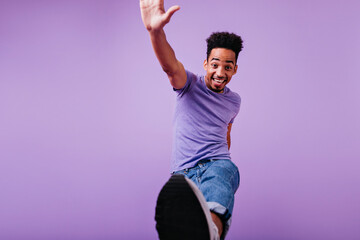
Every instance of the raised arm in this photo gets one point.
(155, 18)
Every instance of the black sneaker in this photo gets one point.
(182, 212)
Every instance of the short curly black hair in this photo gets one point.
(224, 40)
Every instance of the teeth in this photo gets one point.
(219, 81)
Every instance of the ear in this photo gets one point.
(205, 64)
(235, 69)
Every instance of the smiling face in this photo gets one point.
(219, 67)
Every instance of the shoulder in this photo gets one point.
(192, 77)
(192, 80)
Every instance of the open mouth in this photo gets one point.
(219, 81)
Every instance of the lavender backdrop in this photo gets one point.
(86, 113)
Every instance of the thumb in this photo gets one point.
(170, 12)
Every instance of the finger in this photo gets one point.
(170, 12)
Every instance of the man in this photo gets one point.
(199, 205)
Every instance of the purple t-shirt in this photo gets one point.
(200, 123)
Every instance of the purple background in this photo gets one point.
(86, 113)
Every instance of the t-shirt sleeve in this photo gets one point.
(190, 78)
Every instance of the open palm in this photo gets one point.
(153, 14)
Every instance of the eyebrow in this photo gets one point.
(227, 61)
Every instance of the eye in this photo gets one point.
(214, 65)
(228, 67)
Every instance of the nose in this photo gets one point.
(220, 72)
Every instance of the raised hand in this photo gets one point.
(153, 14)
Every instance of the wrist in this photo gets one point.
(155, 31)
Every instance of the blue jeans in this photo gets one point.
(218, 180)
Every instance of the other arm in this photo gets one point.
(228, 135)
(155, 18)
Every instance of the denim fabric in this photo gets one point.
(218, 180)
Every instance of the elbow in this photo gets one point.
(169, 70)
